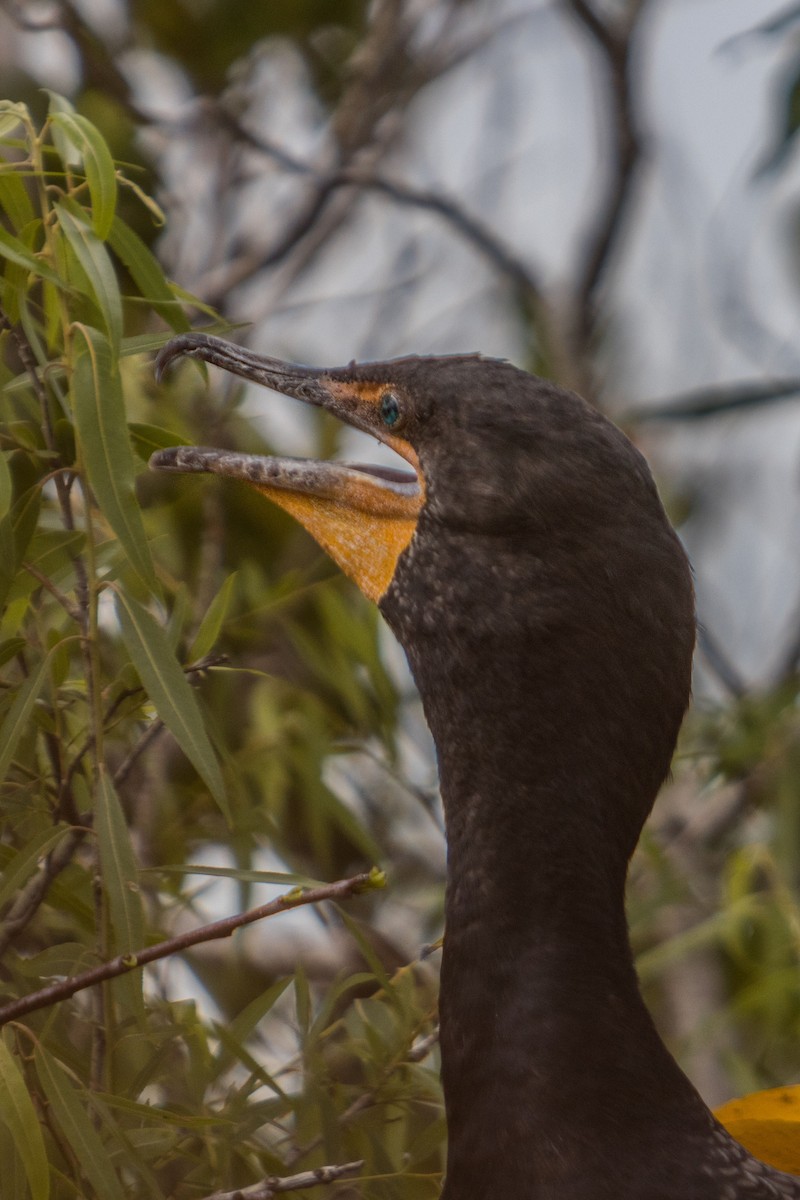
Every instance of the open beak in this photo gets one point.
(363, 516)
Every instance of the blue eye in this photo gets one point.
(390, 408)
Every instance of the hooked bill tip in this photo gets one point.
(184, 343)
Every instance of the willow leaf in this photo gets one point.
(14, 200)
(94, 259)
(166, 685)
(17, 717)
(147, 275)
(118, 868)
(213, 621)
(19, 1115)
(17, 252)
(19, 869)
(98, 166)
(76, 1126)
(100, 420)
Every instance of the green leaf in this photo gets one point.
(94, 260)
(97, 164)
(17, 252)
(65, 958)
(20, 868)
(169, 690)
(14, 200)
(9, 648)
(25, 517)
(77, 1128)
(147, 275)
(213, 621)
(18, 715)
(19, 1115)
(6, 486)
(12, 115)
(238, 1031)
(8, 556)
(100, 420)
(146, 439)
(118, 867)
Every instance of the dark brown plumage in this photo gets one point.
(546, 608)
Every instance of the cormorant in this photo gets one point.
(546, 607)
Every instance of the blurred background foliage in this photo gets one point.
(196, 711)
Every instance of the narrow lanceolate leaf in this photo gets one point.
(11, 115)
(147, 275)
(94, 259)
(100, 419)
(98, 166)
(19, 1116)
(118, 868)
(213, 621)
(26, 861)
(6, 488)
(17, 717)
(74, 1122)
(17, 252)
(165, 683)
(15, 202)
(7, 549)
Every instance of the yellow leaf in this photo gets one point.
(768, 1125)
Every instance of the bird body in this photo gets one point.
(546, 608)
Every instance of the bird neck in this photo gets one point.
(554, 727)
(543, 1029)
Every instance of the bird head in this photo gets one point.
(490, 451)
(521, 555)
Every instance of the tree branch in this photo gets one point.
(32, 895)
(291, 1183)
(615, 44)
(342, 889)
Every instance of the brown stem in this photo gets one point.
(615, 44)
(31, 896)
(342, 889)
(291, 1183)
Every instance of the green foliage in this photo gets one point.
(147, 723)
(180, 677)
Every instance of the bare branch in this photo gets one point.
(342, 889)
(149, 735)
(71, 609)
(31, 896)
(615, 43)
(719, 663)
(715, 401)
(421, 1049)
(291, 1183)
(473, 230)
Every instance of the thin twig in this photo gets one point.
(615, 43)
(32, 894)
(202, 665)
(715, 401)
(421, 1049)
(719, 663)
(28, 360)
(342, 889)
(149, 735)
(71, 609)
(290, 1183)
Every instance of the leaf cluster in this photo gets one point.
(167, 698)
